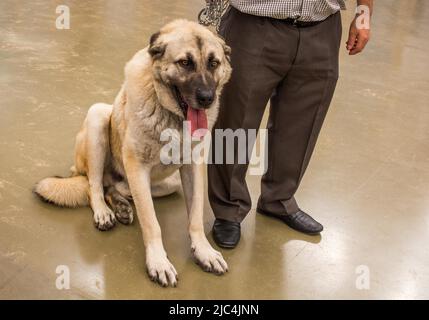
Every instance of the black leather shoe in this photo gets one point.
(226, 234)
(299, 221)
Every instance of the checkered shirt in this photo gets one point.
(302, 10)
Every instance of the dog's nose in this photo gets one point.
(205, 97)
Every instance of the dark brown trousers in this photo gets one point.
(297, 70)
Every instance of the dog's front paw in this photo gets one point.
(104, 219)
(160, 269)
(209, 259)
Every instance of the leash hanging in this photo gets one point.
(213, 12)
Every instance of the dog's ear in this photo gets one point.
(156, 48)
(226, 48)
(227, 51)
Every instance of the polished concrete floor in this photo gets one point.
(367, 182)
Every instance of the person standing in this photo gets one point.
(285, 52)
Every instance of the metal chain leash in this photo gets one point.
(213, 12)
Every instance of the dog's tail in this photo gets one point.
(67, 192)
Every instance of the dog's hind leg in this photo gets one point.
(97, 152)
(167, 186)
(120, 205)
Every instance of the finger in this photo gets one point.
(352, 39)
(361, 42)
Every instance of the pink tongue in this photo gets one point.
(198, 120)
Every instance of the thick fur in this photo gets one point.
(117, 151)
(67, 192)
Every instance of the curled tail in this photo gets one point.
(67, 192)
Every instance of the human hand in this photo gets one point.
(359, 33)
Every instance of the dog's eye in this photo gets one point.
(213, 64)
(184, 63)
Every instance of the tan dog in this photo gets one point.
(179, 77)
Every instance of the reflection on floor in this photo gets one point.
(367, 182)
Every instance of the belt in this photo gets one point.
(300, 24)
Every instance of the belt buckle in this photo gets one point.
(295, 21)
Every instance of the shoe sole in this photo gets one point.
(275, 216)
(225, 246)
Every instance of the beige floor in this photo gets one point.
(367, 183)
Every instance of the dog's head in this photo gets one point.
(190, 67)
